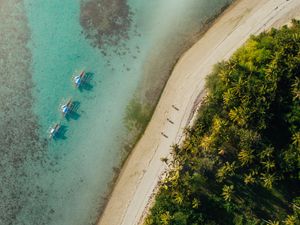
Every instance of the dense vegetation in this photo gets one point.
(240, 161)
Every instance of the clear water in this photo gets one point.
(64, 181)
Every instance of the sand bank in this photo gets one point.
(142, 171)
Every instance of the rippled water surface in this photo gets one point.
(127, 48)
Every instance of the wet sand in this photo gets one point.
(141, 173)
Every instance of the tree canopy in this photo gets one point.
(240, 161)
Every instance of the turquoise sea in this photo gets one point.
(127, 47)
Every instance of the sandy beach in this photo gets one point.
(143, 169)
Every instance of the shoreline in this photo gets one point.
(176, 57)
(141, 172)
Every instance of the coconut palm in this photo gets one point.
(178, 198)
(165, 218)
(227, 170)
(296, 89)
(195, 203)
(206, 142)
(268, 180)
(238, 115)
(290, 220)
(296, 139)
(227, 192)
(266, 153)
(269, 165)
(246, 156)
(272, 222)
(249, 178)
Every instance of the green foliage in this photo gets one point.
(227, 170)
(240, 161)
(246, 157)
(227, 192)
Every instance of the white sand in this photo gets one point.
(143, 168)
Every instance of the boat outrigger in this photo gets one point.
(66, 108)
(54, 130)
(79, 79)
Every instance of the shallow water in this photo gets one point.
(64, 181)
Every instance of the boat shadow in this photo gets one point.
(61, 134)
(86, 83)
(73, 114)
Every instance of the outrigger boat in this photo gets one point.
(54, 130)
(66, 108)
(79, 79)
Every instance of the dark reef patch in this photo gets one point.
(106, 22)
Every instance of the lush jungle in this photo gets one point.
(239, 163)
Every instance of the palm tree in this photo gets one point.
(195, 203)
(249, 178)
(175, 148)
(239, 86)
(272, 222)
(227, 192)
(238, 115)
(266, 153)
(218, 123)
(226, 170)
(229, 96)
(268, 180)
(296, 139)
(290, 220)
(246, 156)
(269, 165)
(178, 198)
(165, 218)
(296, 89)
(206, 142)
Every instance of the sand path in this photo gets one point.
(143, 168)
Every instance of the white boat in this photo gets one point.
(78, 80)
(66, 108)
(54, 130)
